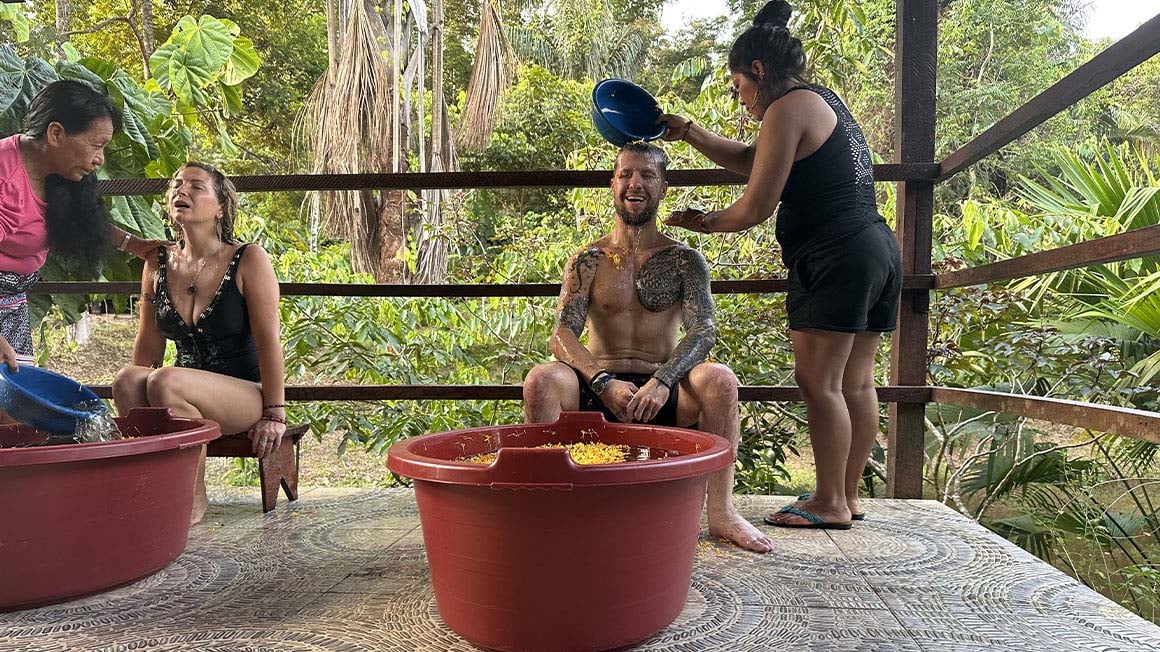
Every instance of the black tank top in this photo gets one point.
(220, 339)
(829, 194)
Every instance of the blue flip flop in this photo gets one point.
(861, 516)
(815, 521)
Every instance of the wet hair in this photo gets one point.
(227, 196)
(770, 42)
(76, 218)
(654, 153)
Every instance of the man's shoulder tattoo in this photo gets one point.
(583, 268)
(662, 280)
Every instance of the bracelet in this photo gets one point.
(124, 241)
(274, 418)
(273, 405)
(685, 133)
(598, 375)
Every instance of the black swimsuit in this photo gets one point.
(220, 339)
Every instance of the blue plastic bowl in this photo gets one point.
(624, 112)
(46, 400)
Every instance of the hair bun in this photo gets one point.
(775, 13)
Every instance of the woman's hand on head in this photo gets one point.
(266, 436)
(676, 127)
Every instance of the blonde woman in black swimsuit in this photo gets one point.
(845, 272)
(217, 299)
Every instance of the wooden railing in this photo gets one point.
(917, 174)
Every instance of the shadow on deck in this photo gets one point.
(345, 570)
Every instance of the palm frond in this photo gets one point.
(490, 77)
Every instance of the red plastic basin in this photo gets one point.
(534, 552)
(81, 518)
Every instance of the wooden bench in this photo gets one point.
(279, 469)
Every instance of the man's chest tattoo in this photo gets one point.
(658, 285)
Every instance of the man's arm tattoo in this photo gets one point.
(572, 309)
(697, 314)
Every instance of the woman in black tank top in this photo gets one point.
(845, 272)
(217, 300)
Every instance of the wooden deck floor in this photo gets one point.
(345, 570)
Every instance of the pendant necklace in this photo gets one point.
(192, 289)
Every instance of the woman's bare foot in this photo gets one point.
(741, 532)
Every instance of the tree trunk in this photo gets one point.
(63, 16)
(147, 42)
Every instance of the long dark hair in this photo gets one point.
(770, 42)
(76, 218)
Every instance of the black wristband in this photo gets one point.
(662, 381)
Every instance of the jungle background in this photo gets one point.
(331, 86)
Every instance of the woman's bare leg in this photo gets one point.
(862, 404)
(235, 404)
(820, 359)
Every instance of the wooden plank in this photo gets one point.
(772, 393)
(1133, 244)
(1129, 422)
(486, 179)
(1117, 59)
(467, 290)
(916, 51)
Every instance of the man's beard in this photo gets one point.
(639, 219)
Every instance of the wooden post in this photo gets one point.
(914, 116)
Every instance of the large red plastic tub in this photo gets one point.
(535, 552)
(81, 518)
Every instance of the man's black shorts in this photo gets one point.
(590, 402)
(851, 286)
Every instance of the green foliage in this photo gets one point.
(202, 65)
(584, 39)
(541, 120)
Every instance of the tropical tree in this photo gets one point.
(358, 119)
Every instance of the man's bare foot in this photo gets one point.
(741, 532)
(828, 514)
(200, 506)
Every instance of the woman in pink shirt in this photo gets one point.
(48, 201)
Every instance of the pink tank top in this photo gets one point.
(23, 234)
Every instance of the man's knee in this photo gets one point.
(714, 382)
(544, 382)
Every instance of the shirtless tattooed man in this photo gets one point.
(634, 289)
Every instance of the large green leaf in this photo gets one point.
(178, 70)
(242, 64)
(207, 39)
(11, 76)
(20, 80)
(15, 16)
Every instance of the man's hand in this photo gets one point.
(616, 396)
(647, 402)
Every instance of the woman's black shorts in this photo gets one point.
(850, 286)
